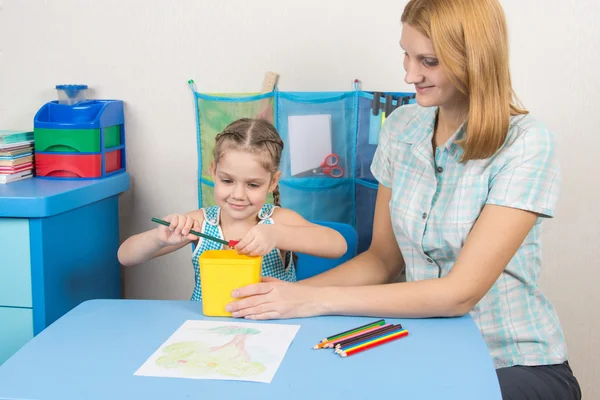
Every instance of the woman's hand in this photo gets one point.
(260, 240)
(179, 230)
(275, 299)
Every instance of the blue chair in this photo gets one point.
(308, 265)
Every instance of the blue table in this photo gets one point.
(58, 248)
(93, 351)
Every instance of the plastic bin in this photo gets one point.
(221, 272)
(82, 141)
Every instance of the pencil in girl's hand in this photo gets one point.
(230, 243)
(374, 343)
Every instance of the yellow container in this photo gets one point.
(221, 272)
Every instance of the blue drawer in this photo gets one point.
(16, 329)
(15, 264)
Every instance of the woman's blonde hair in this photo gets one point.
(471, 42)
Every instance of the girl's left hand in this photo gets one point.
(259, 241)
(275, 299)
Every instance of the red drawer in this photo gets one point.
(76, 165)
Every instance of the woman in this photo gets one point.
(465, 179)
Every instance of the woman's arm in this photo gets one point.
(161, 240)
(494, 240)
(491, 244)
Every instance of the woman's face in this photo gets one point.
(423, 69)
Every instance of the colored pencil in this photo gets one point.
(398, 335)
(362, 341)
(330, 344)
(360, 328)
(369, 341)
(230, 243)
(351, 341)
(360, 334)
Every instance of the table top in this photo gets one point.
(37, 197)
(93, 351)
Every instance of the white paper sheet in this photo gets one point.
(222, 350)
(309, 141)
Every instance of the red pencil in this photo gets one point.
(375, 344)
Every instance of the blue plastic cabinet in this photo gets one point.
(58, 248)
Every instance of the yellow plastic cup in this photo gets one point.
(221, 272)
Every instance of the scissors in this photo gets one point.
(329, 167)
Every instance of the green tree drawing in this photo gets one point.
(199, 358)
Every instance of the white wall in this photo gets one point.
(143, 52)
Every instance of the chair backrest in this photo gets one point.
(310, 265)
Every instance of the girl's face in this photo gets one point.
(423, 69)
(242, 184)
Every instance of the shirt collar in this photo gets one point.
(451, 146)
(421, 130)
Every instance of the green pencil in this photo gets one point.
(230, 243)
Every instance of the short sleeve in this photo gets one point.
(381, 167)
(529, 175)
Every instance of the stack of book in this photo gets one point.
(16, 156)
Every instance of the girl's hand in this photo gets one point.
(274, 299)
(259, 241)
(179, 230)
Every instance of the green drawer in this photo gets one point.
(16, 329)
(15, 268)
(75, 140)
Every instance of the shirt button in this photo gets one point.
(429, 260)
(424, 215)
(440, 170)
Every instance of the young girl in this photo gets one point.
(245, 170)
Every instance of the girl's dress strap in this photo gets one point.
(266, 212)
(212, 215)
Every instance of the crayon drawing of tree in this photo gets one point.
(198, 358)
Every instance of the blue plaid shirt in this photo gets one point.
(436, 201)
